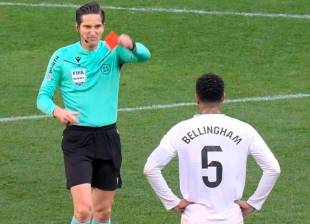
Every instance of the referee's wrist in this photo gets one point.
(53, 113)
(133, 48)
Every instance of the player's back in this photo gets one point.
(212, 151)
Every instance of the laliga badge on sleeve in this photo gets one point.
(111, 40)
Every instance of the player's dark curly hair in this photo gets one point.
(210, 88)
(89, 8)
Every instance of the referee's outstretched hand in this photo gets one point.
(245, 207)
(66, 116)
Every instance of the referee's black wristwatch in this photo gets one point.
(133, 46)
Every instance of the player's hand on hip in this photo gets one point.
(245, 207)
(181, 206)
(66, 116)
(126, 41)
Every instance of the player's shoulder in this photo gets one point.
(57, 57)
(236, 120)
(180, 125)
(67, 50)
(240, 123)
(60, 52)
(175, 130)
(183, 123)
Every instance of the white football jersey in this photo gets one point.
(212, 150)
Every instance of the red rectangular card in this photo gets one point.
(111, 40)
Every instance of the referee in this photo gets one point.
(88, 73)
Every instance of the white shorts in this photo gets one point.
(198, 214)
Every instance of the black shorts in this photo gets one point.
(92, 155)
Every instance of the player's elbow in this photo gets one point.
(147, 171)
(45, 104)
(39, 102)
(142, 52)
(150, 170)
(147, 55)
(275, 170)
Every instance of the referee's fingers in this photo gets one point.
(64, 121)
(71, 119)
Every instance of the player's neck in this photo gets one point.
(88, 46)
(210, 108)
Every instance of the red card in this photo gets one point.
(111, 40)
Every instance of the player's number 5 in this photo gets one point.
(216, 164)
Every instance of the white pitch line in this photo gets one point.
(174, 105)
(166, 10)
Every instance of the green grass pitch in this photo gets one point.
(257, 56)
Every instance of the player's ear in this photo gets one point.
(197, 99)
(103, 26)
(77, 27)
(223, 97)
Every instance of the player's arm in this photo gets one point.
(131, 51)
(270, 167)
(245, 207)
(159, 158)
(48, 87)
(47, 90)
